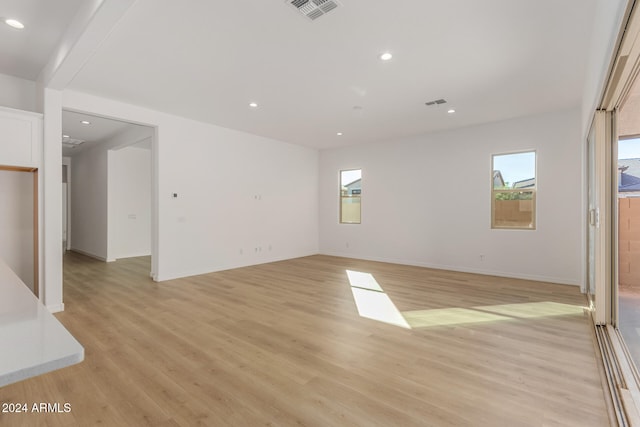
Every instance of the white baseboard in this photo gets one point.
(230, 266)
(89, 254)
(537, 278)
(133, 255)
(55, 308)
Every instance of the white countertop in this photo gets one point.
(32, 340)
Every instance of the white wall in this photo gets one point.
(128, 193)
(92, 216)
(242, 199)
(129, 202)
(17, 93)
(236, 192)
(50, 202)
(16, 223)
(426, 201)
(89, 203)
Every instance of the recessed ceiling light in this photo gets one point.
(339, 133)
(253, 105)
(85, 122)
(451, 111)
(65, 136)
(14, 23)
(386, 56)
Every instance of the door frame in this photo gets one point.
(155, 179)
(619, 371)
(601, 215)
(36, 250)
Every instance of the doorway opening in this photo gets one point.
(108, 184)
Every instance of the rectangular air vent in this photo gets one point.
(71, 142)
(436, 102)
(313, 9)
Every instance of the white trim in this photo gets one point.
(135, 255)
(602, 276)
(90, 255)
(537, 278)
(56, 308)
(230, 266)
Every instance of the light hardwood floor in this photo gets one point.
(282, 344)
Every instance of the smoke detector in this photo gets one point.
(313, 9)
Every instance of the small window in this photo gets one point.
(513, 191)
(350, 194)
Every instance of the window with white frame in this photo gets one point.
(513, 190)
(350, 196)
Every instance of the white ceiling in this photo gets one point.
(23, 53)
(491, 59)
(100, 130)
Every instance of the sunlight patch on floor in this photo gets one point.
(448, 316)
(378, 306)
(362, 280)
(533, 309)
(373, 303)
(488, 313)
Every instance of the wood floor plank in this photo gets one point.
(282, 344)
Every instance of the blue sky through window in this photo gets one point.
(515, 167)
(348, 176)
(629, 148)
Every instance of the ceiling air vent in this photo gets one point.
(436, 102)
(313, 9)
(71, 142)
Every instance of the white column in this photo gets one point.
(51, 232)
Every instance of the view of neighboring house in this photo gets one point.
(525, 183)
(629, 177)
(498, 180)
(353, 188)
